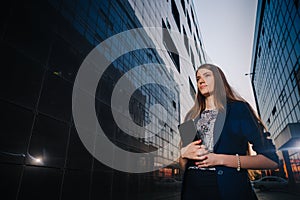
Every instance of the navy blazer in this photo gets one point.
(232, 137)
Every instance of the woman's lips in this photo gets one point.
(202, 86)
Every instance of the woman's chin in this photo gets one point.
(205, 94)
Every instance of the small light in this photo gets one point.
(36, 159)
(57, 73)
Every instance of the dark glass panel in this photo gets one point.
(101, 185)
(56, 97)
(48, 142)
(10, 177)
(21, 77)
(64, 59)
(40, 183)
(4, 15)
(120, 183)
(98, 166)
(76, 185)
(30, 28)
(176, 15)
(16, 123)
(189, 22)
(183, 4)
(78, 156)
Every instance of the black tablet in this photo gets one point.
(187, 132)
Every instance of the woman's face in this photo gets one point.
(205, 81)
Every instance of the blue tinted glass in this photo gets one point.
(283, 7)
(93, 13)
(78, 27)
(83, 5)
(90, 37)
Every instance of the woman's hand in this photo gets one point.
(194, 151)
(246, 162)
(209, 160)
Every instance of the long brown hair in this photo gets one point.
(222, 93)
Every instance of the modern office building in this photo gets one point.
(43, 45)
(276, 77)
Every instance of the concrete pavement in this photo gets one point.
(291, 193)
(276, 195)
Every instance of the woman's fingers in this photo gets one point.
(197, 142)
(194, 150)
(202, 160)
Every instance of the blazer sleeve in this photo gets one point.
(253, 131)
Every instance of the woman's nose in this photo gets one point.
(201, 80)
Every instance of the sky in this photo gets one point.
(227, 29)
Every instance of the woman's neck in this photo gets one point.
(210, 103)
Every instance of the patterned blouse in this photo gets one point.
(205, 127)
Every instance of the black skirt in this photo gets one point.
(200, 184)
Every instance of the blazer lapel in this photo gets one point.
(219, 124)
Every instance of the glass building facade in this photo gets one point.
(43, 44)
(276, 77)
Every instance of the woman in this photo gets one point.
(216, 162)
